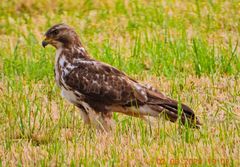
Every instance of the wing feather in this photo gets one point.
(102, 82)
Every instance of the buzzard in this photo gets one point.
(98, 89)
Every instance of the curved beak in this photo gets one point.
(45, 42)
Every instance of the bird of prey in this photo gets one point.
(99, 89)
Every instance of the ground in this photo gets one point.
(187, 49)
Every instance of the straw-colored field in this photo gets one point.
(187, 49)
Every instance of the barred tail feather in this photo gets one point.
(170, 108)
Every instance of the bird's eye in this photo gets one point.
(55, 32)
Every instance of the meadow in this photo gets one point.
(188, 49)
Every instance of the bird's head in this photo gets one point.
(61, 35)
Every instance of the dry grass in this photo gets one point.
(187, 49)
(62, 138)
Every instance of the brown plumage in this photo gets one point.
(99, 89)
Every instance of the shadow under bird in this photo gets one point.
(98, 89)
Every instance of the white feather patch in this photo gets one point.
(57, 76)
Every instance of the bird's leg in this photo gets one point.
(100, 120)
(84, 115)
(89, 116)
(107, 121)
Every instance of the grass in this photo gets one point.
(187, 49)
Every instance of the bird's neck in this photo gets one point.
(74, 51)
